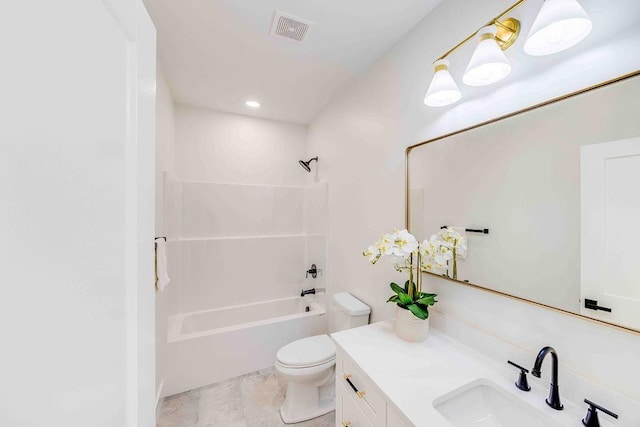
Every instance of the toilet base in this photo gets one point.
(304, 401)
(322, 409)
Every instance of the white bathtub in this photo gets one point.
(209, 346)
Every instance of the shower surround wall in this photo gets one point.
(243, 221)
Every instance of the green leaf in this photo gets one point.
(428, 300)
(406, 287)
(397, 289)
(424, 294)
(418, 312)
(393, 298)
(405, 299)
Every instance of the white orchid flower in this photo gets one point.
(399, 245)
(435, 240)
(451, 235)
(406, 242)
(433, 267)
(461, 249)
(442, 257)
(386, 244)
(425, 249)
(373, 253)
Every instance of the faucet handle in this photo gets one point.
(591, 420)
(313, 271)
(522, 382)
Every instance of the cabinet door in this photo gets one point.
(348, 414)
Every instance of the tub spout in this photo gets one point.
(308, 291)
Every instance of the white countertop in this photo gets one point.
(413, 375)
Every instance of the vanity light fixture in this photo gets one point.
(488, 63)
(559, 25)
(443, 90)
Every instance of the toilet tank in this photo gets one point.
(348, 312)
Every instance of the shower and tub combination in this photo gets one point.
(239, 257)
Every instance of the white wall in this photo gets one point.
(76, 220)
(361, 138)
(165, 165)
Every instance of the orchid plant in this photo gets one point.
(406, 254)
(435, 255)
(442, 250)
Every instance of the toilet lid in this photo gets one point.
(306, 352)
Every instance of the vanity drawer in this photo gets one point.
(367, 396)
(348, 413)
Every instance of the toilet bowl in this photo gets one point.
(308, 364)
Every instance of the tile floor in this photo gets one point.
(251, 400)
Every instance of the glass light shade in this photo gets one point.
(443, 90)
(488, 63)
(559, 25)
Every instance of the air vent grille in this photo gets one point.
(289, 27)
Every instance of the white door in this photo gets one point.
(610, 230)
(77, 94)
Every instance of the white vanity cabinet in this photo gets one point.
(394, 383)
(359, 402)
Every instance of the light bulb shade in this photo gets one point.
(488, 63)
(559, 25)
(443, 90)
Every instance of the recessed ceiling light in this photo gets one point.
(252, 104)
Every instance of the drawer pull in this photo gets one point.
(346, 423)
(359, 393)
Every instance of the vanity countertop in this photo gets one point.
(413, 375)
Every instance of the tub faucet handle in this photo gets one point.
(313, 271)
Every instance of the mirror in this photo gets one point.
(549, 198)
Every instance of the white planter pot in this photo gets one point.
(409, 327)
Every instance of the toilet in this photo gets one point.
(308, 364)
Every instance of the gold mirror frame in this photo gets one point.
(488, 122)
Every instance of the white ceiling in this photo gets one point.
(219, 53)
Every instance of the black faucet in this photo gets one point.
(308, 291)
(554, 392)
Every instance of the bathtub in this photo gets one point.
(208, 346)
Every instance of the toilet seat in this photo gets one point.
(307, 352)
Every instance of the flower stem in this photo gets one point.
(455, 265)
(411, 285)
(419, 273)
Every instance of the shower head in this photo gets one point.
(306, 165)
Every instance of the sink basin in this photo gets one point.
(483, 403)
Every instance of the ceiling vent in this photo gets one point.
(289, 27)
